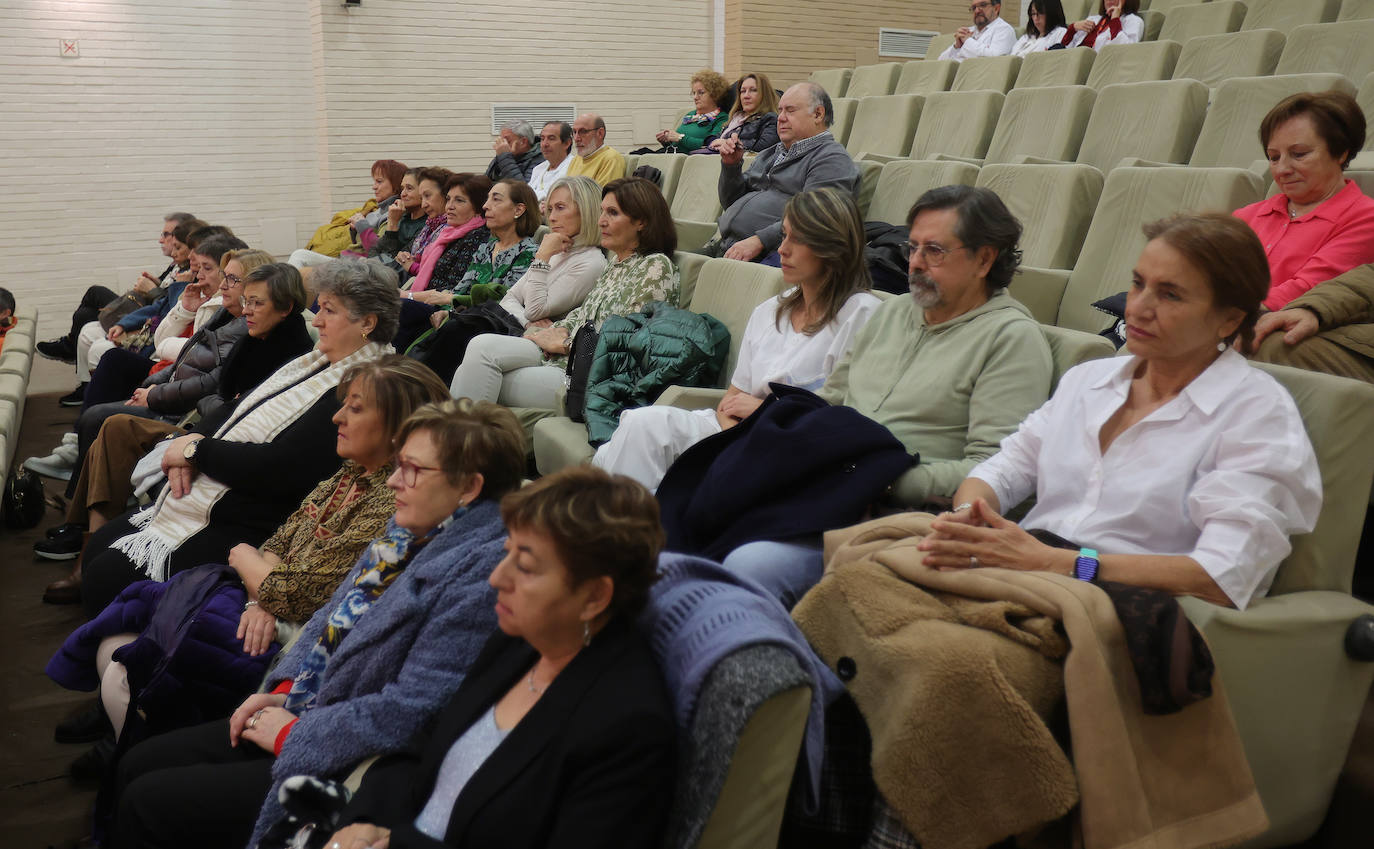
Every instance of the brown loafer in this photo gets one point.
(64, 591)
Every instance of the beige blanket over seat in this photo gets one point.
(955, 675)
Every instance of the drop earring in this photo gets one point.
(586, 633)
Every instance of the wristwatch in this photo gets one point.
(1085, 567)
(190, 451)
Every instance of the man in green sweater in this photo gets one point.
(951, 368)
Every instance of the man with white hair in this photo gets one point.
(516, 154)
(989, 35)
(594, 158)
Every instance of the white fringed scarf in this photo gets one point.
(267, 411)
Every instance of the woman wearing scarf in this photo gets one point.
(241, 483)
(370, 669)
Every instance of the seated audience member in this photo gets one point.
(950, 369)
(1045, 28)
(753, 120)
(807, 157)
(1320, 224)
(516, 154)
(565, 268)
(430, 182)
(7, 307)
(637, 229)
(569, 669)
(1221, 470)
(594, 157)
(372, 667)
(341, 232)
(240, 483)
(1329, 328)
(512, 216)
(705, 120)
(405, 219)
(1116, 22)
(989, 35)
(555, 143)
(96, 298)
(277, 587)
(796, 338)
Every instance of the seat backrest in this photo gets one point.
(1365, 97)
(1230, 135)
(1284, 15)
(873, 80)
(670, 164)
(1069, 348)
(729, 290)
(631, 163)
(688, 270)
(1211, 59)
(697, 195)
(833, 80)
(987, 73)
(1167, 7)
(926, 75)
(1154, 22)
(869, 174)
(905, 180)
(1132, 197)
(1325, 558)
(1047, 123)
(1356, 10)
(844, 117)
(938, 44)
(1156, 121)
(1363, 179)
(1185, 22)
(1077, 10)
(1344, 48)
(1054, 203)
(1055, 67)
(1133, 63)
(884, 124)
(959, 123)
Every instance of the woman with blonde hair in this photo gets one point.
(753, 120)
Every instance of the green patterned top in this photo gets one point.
(623, 288)
(492, 267)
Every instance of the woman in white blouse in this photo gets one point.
(795, 338)
(1046, 27)
(1182, 468)
(1116, 22)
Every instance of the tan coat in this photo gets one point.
(1345, 308)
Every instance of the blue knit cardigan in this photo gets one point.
(400, 664)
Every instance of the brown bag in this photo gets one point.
(125, 304)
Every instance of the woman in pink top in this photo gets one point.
(1320, 225)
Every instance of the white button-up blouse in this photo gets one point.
(1223, 473)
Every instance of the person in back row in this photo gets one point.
(595, 158)
(516, 154)
(806, 158)
(555, 143)
(1116, 22)
(989, 35)
(1044, 29)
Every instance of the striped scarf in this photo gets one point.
(433, 225)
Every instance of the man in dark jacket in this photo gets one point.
(516, 154)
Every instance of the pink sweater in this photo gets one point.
(423, 267)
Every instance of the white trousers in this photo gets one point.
(114, 679)
(649, 439)
(91, 345)
(301, 258)
(509, 370)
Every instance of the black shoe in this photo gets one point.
(59, 530)
(86, 727)
(91, 767)
(60, 349)
(66, 545)
(75, 398)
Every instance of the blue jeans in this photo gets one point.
(786, 570)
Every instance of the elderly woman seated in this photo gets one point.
(562, 732)
(1116, 22)
(753, 123)
(705, 120)
(331, 239)
(1320, 224)
(371, 668)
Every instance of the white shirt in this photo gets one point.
(1032, 44)
(995, 39)
(772, 352)
(1132, 32)
(1223, 473)
(542, 177)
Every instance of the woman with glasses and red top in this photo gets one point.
(1116, 22)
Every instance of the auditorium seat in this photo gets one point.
(1157, 122)
(844, 116)
(1134, 63)
(904, 180)
(696, 201)
(1055, 67)
(1365, 96)
(1165, 7)
(1154, 22)
(1054, 203)
(1230, 135)
(1044, 123)
(1078, 10)
(988, 73)
(833, 80)
(1185, 22)
(926, 75)
(1342, 48)
(873, 80)
(1356, 10)
(884, 126)
(1212, 59)
(1069, 348)
(16, 363)
(957, 123)
(938, 44)
(1131, 197)
(670, 164)
(1284, 15)
(869, 174)
(688, 269)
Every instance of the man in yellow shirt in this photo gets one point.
(594, 157)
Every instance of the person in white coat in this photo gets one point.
(1116, 22)
(1045, 28)
(989, 35)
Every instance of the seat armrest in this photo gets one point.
(881, 158)
(1040, 290)
(692, 235)
(1137, 162)
(949, 157)
(1027, 159)
(690, 397)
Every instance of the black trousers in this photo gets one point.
(414, 322)
(119, 372)
(95, 299)
(189, 788)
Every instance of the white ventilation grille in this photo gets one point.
(538, 114)
(910, 43)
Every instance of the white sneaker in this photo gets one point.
(60, 463)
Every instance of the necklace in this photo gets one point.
(1293, 208)
(534, 688)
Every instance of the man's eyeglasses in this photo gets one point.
(979, 6)
(410, 472)
(934, 254)
(585, 132)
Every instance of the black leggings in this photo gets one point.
(95, 299)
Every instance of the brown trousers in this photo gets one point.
(1316, 353)
(103, 485)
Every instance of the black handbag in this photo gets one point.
(23, 502)
(580, 355)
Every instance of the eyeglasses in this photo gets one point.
(166, 234)
(585, 132)
(698, 92)
(410, 472)
(935, 255)
(232, 279)
(255, 303)
(977, 6)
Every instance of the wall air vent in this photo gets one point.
(907, 43)
(538, 114)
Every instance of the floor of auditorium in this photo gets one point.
(39, 805)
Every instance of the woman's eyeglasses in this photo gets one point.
(410, 472)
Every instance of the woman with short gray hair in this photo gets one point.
(363, 289)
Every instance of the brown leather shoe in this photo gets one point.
(64, 591)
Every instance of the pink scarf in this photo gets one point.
(429, 257)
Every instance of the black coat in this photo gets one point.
(591, 765)
(198, 367)
(251, 362)
(758, 133)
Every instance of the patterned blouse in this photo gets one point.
(457, 258)
(623, 288)
(503, 268)
(322, 540)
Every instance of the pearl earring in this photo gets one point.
(1221, 346)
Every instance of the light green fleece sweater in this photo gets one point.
(951, 391)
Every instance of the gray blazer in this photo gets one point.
(754, 200)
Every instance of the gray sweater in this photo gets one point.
(754, 201)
